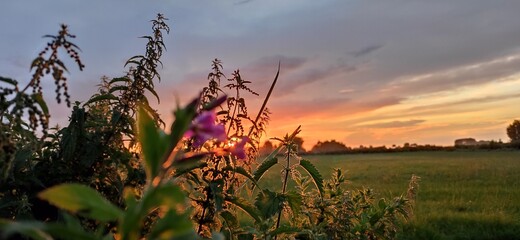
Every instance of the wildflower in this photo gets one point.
(238, 149)
(204, 128)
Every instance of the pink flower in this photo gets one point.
(238, 149)
(204, 128)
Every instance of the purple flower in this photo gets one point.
(238, 149)
(204, 128)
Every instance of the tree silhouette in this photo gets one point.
(513, 131)
(298, 141)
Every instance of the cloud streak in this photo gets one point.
(394, 124)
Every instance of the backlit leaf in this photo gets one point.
(154, 143)
(314, 173)
(81, 199)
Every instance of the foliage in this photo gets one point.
(329, 147)
(513, 131)
(114, 173)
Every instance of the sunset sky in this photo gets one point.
(362, 72)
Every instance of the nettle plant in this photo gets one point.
(115, 173)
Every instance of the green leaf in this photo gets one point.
(183, 118)
(266, 165)
(245, 206)
(33, 229)
(154, 144)
(295, 201)
(66, 232)
(173, 226)
(314, 173)
(229, 218)
(83, 200)
(41, 102)
(217, 236)
(268, 203)
(168, 196)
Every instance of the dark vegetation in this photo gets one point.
(113, 172)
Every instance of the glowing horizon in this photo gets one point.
(360, 72)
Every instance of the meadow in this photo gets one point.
(462, 194)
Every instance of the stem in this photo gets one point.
(234, 112)
(284, 184)
(207, 202)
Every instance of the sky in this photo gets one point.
(362, 72)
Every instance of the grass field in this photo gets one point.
(462, 194)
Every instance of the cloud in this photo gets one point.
(326, 108)
(456, 77)
(457, 104)
(366, 50)
(394, 124)
(242, 2)
(311, 75)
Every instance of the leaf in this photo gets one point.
(295, 201)
(245, 206)
(37, 61)
(265, 100)
(83, 200)
(242, 171)
(216, 192)
(119, 79)
(266, 165)
(9, 80)
(32, 229)
(108, 96)
(183, 118)
(168, 196)
(229, 218)
(62, 65)
(215, 103)
(268, 203)
(154, 143)
(284, 229)
(38, 97)
(66, 232)
(173, 226)
(182, 171)
(314, 173)
(118, 88)
(152, 91)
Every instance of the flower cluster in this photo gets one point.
(205, 127)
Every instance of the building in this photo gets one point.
(465, 142)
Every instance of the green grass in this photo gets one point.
(462, 194)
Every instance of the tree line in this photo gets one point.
(336, 147)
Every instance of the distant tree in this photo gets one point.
(329, 147)
(513, 131)
(267, 148)
(299, 143)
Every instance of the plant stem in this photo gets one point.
(284, 184)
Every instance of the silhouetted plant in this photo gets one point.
(21, 113)
(123, 177)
